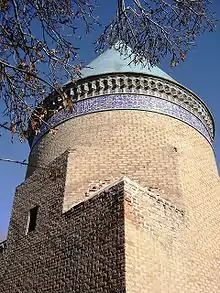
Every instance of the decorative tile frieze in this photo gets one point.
(126, 102)
(144, 85)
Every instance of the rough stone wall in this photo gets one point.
(81, 250)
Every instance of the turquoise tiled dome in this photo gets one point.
(111, 61)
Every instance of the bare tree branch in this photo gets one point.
(157, 28)
(25, 53)
(35, 62)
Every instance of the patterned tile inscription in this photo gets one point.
(125, 101)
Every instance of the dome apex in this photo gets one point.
(111, 61)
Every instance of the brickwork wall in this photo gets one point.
(155, 150)
(151, 227)
(2, 253)
(124, 238)
(165, 251)
(169, 239)
(112, 144)
(79, 251)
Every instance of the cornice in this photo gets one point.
(132, 83)
(143, 84)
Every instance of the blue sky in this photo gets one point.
(200, 73)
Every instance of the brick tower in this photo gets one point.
(124, 197)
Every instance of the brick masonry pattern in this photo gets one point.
(122, 238)
(157, 235)
(79, 251)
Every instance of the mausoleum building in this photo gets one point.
(125, 196)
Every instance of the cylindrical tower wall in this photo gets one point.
(151, 134)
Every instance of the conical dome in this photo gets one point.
(111, 61)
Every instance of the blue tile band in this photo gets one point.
(123, 102)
